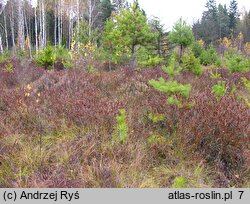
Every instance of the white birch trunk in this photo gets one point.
(90, 12)
(70, 27)
(55, 24)
(36, 33)
(59, 22)
(21, 37)
(1, 44)
(12, 26)
(6, 32)
(43, 25)
(27, 34)
(41, 28)
(78, 23)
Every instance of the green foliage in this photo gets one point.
(156, 118)
(238, 63)
(106, 7)
(64, 56)
(156, 140)
(233, 15)
(215, 75)
(146, 57)
(171, 87)
(51, 55)
(233, 89)
(181, 34)
(220, 89)
(173, 69)
(180, 182)
(8, 68)
(197, 49)
(154, 61)
(191, 63)
(46, 57)
(174, 101)
(125, 33)
(161, 41)
(246, 83)
(91, 69)
(209, 56)
(4, 56)
(83, 36)
(121, 134)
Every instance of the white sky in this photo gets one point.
(190, 10)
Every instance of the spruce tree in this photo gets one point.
(233, 16)
(211, 12)
(106, 7)
(223, 21)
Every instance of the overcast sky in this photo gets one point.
(169, 11)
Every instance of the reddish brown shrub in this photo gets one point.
(219, 130)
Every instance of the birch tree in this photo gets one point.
(21, 37)
(55, 22)
(5, 30)
(12, 26)
(43, 25)
(78, 22)
(93, 7)
(34, 5)
(2, 5)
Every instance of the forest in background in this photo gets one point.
(96, 94)
(32, 25)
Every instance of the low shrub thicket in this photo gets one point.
(219, 131)
(213, 131)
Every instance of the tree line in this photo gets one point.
(120, 31)
(220, 21)
(35, 23)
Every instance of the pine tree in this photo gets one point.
(127, 32)
(181, 35)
